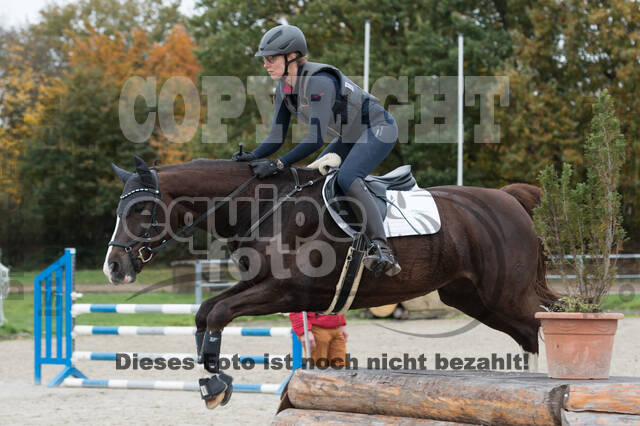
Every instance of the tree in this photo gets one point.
(20, 110)
(60, 24)
(62, 79)
(568, 53)
(119, 57)
(66, 170)
(585, 221)
(21, 107)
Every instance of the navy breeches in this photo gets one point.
(361, 157)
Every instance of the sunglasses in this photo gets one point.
(271, 58)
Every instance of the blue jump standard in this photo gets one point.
(58, 288)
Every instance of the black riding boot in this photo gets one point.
(380, 258)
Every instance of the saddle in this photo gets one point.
(413, 212)
(399, 179)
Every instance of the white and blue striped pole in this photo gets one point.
(112, 356)
(85, 308)
(271, 388)
(125, 330)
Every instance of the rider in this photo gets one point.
(319, 95)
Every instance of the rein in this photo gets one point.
(297, 188)
(202, 217)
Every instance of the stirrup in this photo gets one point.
(381, 261)
(395, 268)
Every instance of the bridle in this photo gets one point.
(141, 259)
(146, 252)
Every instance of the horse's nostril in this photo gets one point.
(113, 267)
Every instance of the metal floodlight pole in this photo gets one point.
(367, 31)
(460, 98)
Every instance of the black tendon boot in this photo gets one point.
(217, 389)
(199, 339)
(380, 258)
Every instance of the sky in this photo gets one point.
(15, 13)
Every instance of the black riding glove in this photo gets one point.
(243, 156)
(265, 168)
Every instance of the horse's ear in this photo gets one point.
(143, 171)
(122, 174)
(140, 164)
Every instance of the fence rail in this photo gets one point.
(613, 256)
(199, 282)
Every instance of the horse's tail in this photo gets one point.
(529, 197)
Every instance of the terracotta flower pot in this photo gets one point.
(578, 346)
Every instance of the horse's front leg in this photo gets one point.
(207, 306)
(267, 297)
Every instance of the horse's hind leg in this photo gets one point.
(463, 295)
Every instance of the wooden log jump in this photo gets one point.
(471, 397)
(294, 416)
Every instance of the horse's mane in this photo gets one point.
(212, 164)
(198, 163)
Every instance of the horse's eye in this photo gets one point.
(138, 208)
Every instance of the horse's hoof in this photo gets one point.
(214, 402)
(216, 390)
(227, 395)
(228, 380)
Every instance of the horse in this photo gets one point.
(486, 260)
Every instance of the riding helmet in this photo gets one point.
(281, 40)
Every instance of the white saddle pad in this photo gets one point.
(418, 207)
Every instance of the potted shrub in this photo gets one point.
(580, 227)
